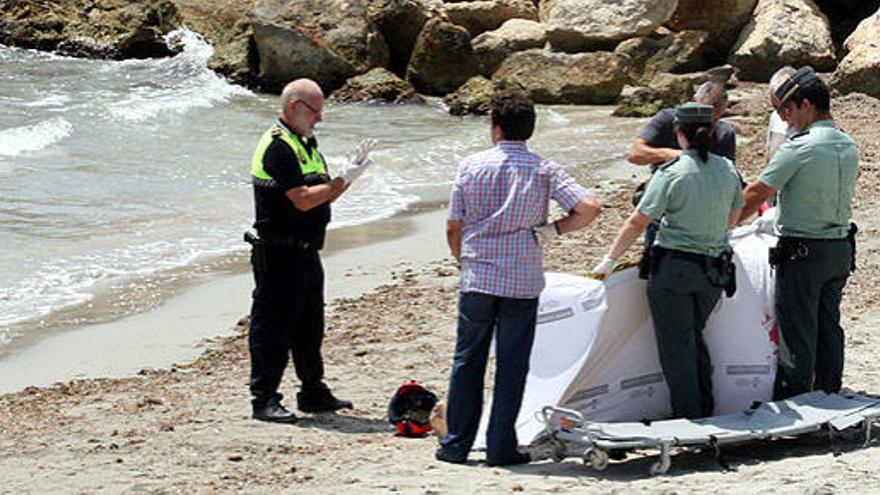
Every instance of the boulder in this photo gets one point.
(548, 77)
(485, 15)
(662, 51)
(667, 90)
(400, 22)
(112, 29)
(859, 71)
(226, 25)
(325, 40)
(723, 18)
(376, 86)
(442, 59)
(472, 98)
(492, 47)
(783, 32)
(584, 25)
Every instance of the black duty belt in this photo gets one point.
(674, 253)
(284, 241)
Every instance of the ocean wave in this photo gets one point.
(177, 84)
(34, 137)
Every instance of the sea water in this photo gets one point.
(122, 181)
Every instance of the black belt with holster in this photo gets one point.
(720, 270)
(792, 248)
(259, 256)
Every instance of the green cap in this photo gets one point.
(799, 79)
(693, 113)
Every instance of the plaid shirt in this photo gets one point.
(499, 195)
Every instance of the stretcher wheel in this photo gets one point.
(596, 458)
(558, 452)
(661, 466)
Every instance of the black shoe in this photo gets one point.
(318, 403)
(516, 458)
(273, 412)
(444, 455)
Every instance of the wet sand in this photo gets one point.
(187, 428)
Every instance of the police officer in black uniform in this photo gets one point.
(292, 195)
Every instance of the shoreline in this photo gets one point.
(356, 259)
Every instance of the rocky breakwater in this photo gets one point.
(643, 53)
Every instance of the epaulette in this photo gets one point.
(802, 133)
(277, 131)
(664, 166)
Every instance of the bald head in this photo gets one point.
(302, 105)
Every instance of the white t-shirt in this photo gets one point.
(777, 132)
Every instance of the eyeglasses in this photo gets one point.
(317, 113)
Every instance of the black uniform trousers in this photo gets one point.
(681, 298)
(287, 319)
(809, 289)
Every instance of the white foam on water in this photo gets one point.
(176, 84)
(18, 140)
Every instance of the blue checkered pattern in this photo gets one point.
(499, 195)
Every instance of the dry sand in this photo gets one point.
(187, 429)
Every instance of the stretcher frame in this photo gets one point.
(568, 434)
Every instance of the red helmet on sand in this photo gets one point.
(410, 410)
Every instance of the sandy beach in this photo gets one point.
(187, 427)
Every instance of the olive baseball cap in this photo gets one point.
(799, 79)
(693, 113)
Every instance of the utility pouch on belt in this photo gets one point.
(787, 249)
(722, 272)
(851, 237)
(259, 257)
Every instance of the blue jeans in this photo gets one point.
(512, 321)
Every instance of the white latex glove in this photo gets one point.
(545, 234)
(604, 267)
(360, 162)
(766, 223)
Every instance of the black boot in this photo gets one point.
(273, 412)
(318, 402)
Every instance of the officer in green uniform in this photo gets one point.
(815, 173)
(292, 196)
(696, 197)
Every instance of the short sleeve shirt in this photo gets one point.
(815, 173)
(499, 195)
(693, 199)
(659, 132)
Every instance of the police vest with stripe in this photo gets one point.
(310, 164)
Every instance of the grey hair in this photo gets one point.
(711, 93)
(780, 77)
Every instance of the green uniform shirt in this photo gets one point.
(815, 173)
(693, 201)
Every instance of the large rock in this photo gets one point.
(783, 32)
(662, 51)
(442, 59)
(515, 35)
(400, 22)
(325, 40)
(376, 86)
(859, 71)
(485, 15)
(472, 98)
(547, 77)
(583, 25)
(667, 90)
(226, 25)
(723, 18)
(114, 29)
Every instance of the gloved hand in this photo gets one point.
(766, 223)
(604, 267)
(545, 234)
(359, 163)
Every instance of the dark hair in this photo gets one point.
(699, 137)
(514, 113)
(817, 92)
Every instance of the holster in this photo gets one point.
(259, 255)
(787, 249)
(721, 272)
(646, 262)
(851, 237)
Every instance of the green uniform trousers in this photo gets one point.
(808, 293)
(681, 298)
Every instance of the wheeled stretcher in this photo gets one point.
(568, 434)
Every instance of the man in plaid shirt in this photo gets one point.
(497, 223)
